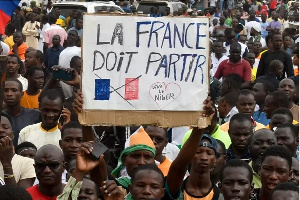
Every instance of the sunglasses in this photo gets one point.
(42, 166)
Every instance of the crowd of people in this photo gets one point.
(249, 151)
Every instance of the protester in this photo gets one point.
(260, 141)
(236, 180)
(285, 191)
(20, 117)
(46, 132)
(225, 107)
(31, 31)
(52, 54)
(19, 47)
(220, 161)
(240, 132)
(13, 68)
(26, 149)
(295, 171)
(49, 166)
(280, 116)
(287, 135)
(35, 76)
(235, 64)
(216, 56)
(273, 101)
(275, 73)
(14, 192)
(78, 26)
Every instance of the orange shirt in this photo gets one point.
(165, 166)
(36, 194)
(21, 51)
(28, 101)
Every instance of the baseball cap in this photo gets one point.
(211, 143)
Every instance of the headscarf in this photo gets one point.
(139, 140)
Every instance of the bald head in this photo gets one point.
(49, 151)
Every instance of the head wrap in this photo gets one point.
(139, 140)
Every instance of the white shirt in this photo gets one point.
(22, 168)
(244, 47)
(24, 82)
(178, 134)
(171, 151)
(39, 136)
(215, 63)
(67, 54)
(5, 48)
(249, 25)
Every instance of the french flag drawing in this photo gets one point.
(7, 7)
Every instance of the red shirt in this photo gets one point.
(273, 4)
(241, 68)
(37, 195)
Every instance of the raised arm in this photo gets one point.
(179, 165)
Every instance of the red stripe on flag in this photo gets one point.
(3, 22)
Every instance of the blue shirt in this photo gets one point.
(52, 57)
(261, 117)
(79, 32)
(264, 31)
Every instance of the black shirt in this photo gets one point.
(267, 57)
(271, 78)
(27, 117)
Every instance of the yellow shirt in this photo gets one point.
(253, 73)
(10, 42)
(256, 178)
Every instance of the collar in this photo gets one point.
(51, 130)
(229, 62)
(230, 155)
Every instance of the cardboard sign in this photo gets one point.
(135, 65)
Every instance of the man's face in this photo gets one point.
(226, 87)
(263, 18)
(250, 58)
(235, 22)
(204, 160)
(88, 190)
(218, 47)
(277, 42)
(72, 36)
(246, 104)
(18, 38)
(37, 79)
(279, 71)
(240, 134)
(79, 24)
(273, 170)
(270, 106)
(31, 59)
(147, 184)
(12, 93)
(56, 40)
(49, 168)
(50, 111)
(71, 142)
(256, 47)
(5, 128)
(235, 53)
(285, 194)
(279, 119)
(137, 158)
(242, 39)
(12, 65)
(261, 140)
(286, 137)
(259, 92)
(158, 136)
(220, 160)
(77, 66)
(288, 87)
(236, 183)
(230, 38)
(295, 171)
(222, 108)
(287, 41)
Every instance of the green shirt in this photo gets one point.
(218, 134)
(228, 21)
(256, 178)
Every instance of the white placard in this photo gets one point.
(144, 63)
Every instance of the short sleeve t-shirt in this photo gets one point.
(30, 101)
(22, 168)
(39, 136)
(36, 194)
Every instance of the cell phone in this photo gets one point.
(3, 57)
(98, 149)
(62, 74)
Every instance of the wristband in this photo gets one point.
(8, 176)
